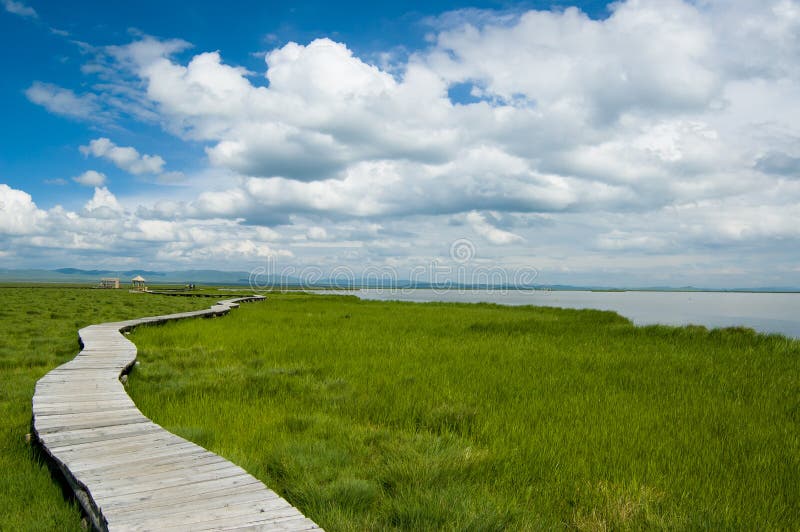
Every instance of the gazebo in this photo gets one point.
(138, 283)
(109, 282)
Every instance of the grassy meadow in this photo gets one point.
(386, 415)
(39, 331)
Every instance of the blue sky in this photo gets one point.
(638, 143)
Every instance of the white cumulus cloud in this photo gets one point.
(103, 198)
(575, 114)
(491, 233)
(91, 178)
(20, 8)
(18, 213)
(125, 158)
(64, 102)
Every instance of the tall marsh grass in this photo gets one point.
(387, 415)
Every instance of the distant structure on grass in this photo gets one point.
(138, 283)
(109, 282)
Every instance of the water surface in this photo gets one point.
(764, 312)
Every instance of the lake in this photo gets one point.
(764, 312)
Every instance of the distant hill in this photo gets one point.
(242, 278)
(131, 273)
(76, 275)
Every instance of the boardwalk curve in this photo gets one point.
(129, 473)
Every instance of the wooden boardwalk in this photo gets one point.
(129, 473)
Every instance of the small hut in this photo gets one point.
(109, 282)
(138, 283)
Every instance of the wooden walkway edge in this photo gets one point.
(129, 473)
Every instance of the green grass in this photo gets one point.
(38, 331)
(382, 415)
(375, 415)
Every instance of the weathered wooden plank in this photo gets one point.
(179, 490)
(66, 387)
(96, 424)
(79, 417)
(88, 397)
(86, 408)
(199, 511)
(42, 408)
(266, 522)
(156, 499)
(105, 492)
(221, 500)
(66, 437)
(188, 480)
(198, 506)
(186, 518)
(166, 470)
(294, 524)
(134, 441)
(103, 444)
(134, 457)
(88, 463)
(88, 423)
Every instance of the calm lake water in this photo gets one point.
(770, 313)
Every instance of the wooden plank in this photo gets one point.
(160, 512)
(79, 417)
(231, 507)
(88, 422)
(48, 408)
(186, 480)
(78, 408)
(165, 473)
(156, 499)
(131, 458)
(166, 470)
(182, 486)
(66, 437)
(103, 492)
(178, 490)
(87, 462)
(186, 518)
(293, 524)
(100, 445)
(134, 441)
(88, 407)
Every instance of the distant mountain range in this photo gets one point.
(242, 278)
(76, 275)
(76, 271)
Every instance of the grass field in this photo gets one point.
(378, 415)
(38, 331)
